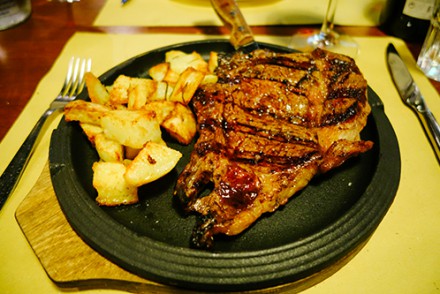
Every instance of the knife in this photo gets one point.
(411, 96)
(241, 35)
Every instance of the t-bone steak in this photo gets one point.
(270, 123)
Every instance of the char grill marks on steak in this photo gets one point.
(271, 122)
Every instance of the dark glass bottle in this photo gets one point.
(407, 19)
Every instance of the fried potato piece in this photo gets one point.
(176, 119)
(180, 124)
(171, 77)
(153, 162)
(96, 90)
(179, 61)
(131, 153)
(159, 71)
(209, 79)
(213, 61)
(85, 112)
(162, 108)
(120, 89)
(131, 128)
(91, 131)
(163, 91)
(173, 54)
(139, 92)
(187, 85)
(109, 181)
(108, 150)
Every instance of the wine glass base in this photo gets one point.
(309, 40)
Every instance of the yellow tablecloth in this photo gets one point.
(256, 12)
(403, 254)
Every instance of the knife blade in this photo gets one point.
(411, 96)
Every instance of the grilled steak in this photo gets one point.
(271, 123)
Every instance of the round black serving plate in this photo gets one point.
(320, 225)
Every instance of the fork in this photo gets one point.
(73, 85)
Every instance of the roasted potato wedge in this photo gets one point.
(181, 124)
(91, 131)
(131, 128)
(171, 77)
(110, 183)
(187, 85)
(173, 54)
(108, 150)
(159, 71)
(153, 162)
(119, 91)
(213, 61)
(85, 112)
(96, 90)
(162, 108)
(140, 92)
(180, 61)
(162, 92)
(209, 79)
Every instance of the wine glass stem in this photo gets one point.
(328, 23)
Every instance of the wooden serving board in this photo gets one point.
(71, 263)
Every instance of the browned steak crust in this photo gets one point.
(270, 124)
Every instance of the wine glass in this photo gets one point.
(326, 37)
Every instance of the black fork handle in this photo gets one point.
(13, 172)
